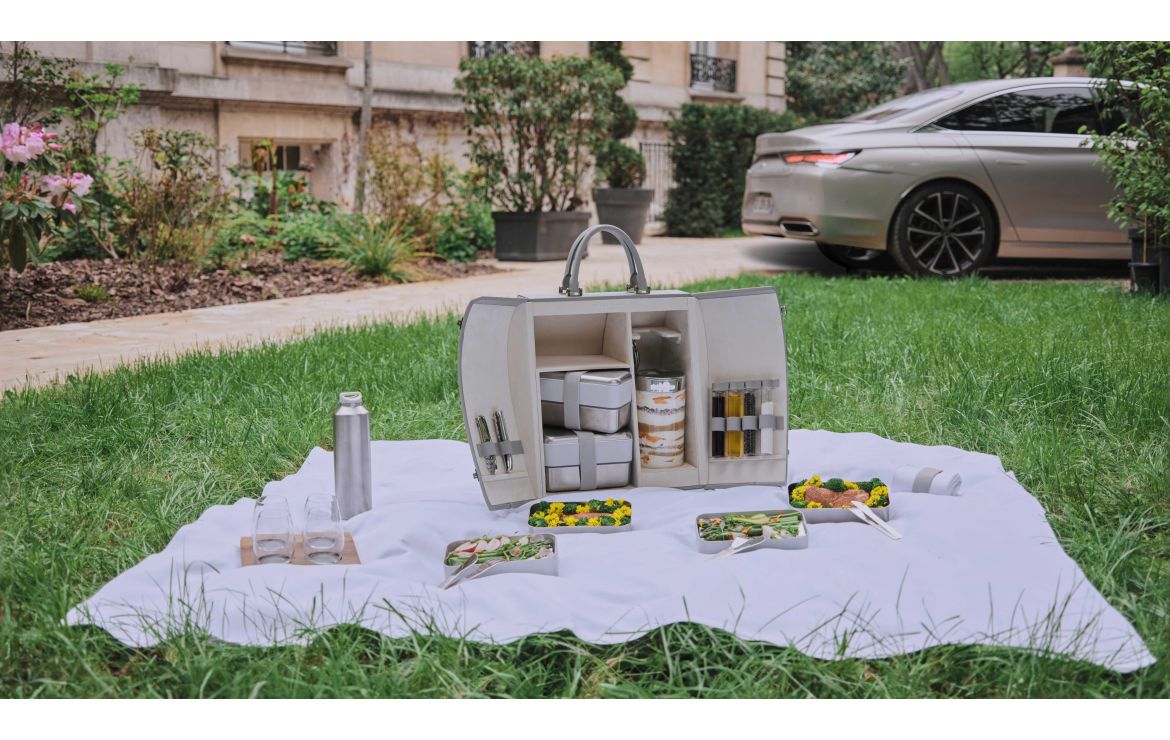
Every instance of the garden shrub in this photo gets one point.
(712, 150)
(311, 235)
(170, 198)
(618, 164)
(1137, 153)
(244, 232)
(424, 192)
(531, 124)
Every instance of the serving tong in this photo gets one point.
(863, 512)
(745, 544)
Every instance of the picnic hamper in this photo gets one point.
(728, 341)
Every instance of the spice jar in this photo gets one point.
(662, 412)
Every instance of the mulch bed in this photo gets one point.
(88, 290)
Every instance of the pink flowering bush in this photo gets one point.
(33, 194)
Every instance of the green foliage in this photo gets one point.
(712, 150)
(829, 80)
(835, 484)
(537, 521)
(1137, 154)
(378, 249)
(170, 198)
(531, 124)
(312, 235)
(254, 192)
(93, 293)
(999, 60)
(618, 164)
(244, 232)
(463, 230)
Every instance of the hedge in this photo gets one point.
(712, 150)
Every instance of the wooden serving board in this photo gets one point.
(349, 554)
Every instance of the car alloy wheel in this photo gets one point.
(945, 230)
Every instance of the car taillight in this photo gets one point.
(821, 159)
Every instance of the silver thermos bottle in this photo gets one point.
(352, 483)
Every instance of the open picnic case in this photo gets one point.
(543, 381)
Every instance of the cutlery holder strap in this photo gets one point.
(511, 447)
(587, 459)
(571, 283)
(572, 399)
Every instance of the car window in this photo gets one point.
(1059, 110)
(976, 117)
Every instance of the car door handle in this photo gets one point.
(1012, 162)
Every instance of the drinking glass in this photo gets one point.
(323, 536)
(272, 531)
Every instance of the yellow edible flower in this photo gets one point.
(594, 522)
(850, 485)
(556, 507)
(814, 505)
(609, 501)
(814, 481)
(880, 490)
(798, 493)
(553, 520)
(874, 500)
(583, 508)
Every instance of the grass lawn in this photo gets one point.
(1068, 383)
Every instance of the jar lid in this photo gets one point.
(667, 381)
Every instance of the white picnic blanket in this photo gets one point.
(981, 568)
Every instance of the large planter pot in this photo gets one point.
(625, 208)
(1143, 263)
(533, 237)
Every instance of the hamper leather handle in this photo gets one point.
(571, 284)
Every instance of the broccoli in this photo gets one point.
(798, 504)
(866, 486)
(595, 505)
(835, 484)
(607, 521)
(536, 521)
(541, 508)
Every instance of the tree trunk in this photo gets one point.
(359, 198)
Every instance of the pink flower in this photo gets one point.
(68, 206)
(19, 144)
(54, 184)
(79, 183)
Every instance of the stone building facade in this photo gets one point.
(305, 96)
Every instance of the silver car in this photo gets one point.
(944, 180)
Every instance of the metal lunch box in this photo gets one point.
(562, 459)
(603, 399)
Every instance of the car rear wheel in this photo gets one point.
(943, 230)
(855, 258)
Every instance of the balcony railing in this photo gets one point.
(712, 73)
(485, 49)
(302, 48)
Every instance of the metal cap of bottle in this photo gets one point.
(352, 478)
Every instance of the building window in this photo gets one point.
(256, 155)
(485, 49)
(302, 48)
(709, 72)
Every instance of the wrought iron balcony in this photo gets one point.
(303, 48)
(485, 49)
(712, 73)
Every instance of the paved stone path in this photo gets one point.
(42, 355)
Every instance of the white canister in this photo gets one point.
(662, 415)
